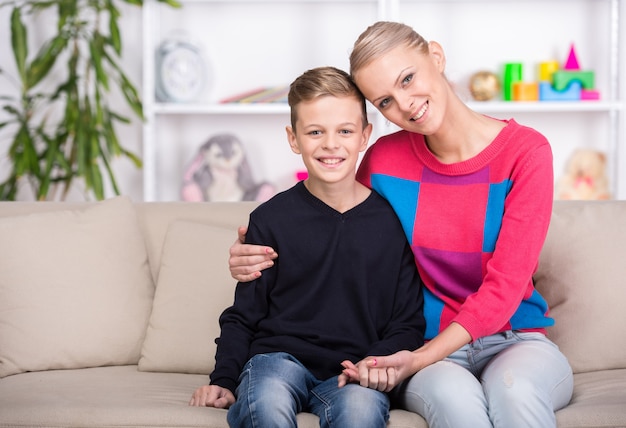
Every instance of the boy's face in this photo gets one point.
(329, 135)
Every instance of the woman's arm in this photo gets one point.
(385, 372)
(246, 261)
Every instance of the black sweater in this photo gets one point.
(344, 286)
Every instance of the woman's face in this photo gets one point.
(408, 87)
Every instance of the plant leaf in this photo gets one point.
(45, 59)
(132, 97)
(133, 157)
(172, 3)
(114, 29)
(19, 42)
(96, 47)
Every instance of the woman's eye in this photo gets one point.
(384, 103)
(407, 79)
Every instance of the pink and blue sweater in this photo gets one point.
(476, 227)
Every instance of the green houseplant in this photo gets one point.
(62, 125)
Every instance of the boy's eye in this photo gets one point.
(316, 132)
(345, 131)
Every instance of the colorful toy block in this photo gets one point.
(546, 69)
(571, 93)
(572, 60)
(562, 78)
(555, 83)
(513, 72)
(589, 95)
(525, 91)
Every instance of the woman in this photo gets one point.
(474, 195)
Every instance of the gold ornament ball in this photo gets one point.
(484, 85)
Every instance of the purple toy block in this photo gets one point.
(571, 93)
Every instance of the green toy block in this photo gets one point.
(562, 78)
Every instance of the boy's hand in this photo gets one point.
(246, 261)
(368, 374)
(212, 396)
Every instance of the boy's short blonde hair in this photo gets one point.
(323, 82)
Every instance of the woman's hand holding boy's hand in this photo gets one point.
(367, 373)
(381, 373)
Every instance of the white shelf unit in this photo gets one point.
(248, 44)
(252, 43)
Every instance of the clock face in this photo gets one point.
(181, 73)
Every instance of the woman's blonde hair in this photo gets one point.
(321, 82)
(380, 38)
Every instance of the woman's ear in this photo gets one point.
(436, 52)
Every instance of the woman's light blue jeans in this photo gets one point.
(274, 387)
(506, 380)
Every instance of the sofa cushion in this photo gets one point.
(75, 288)
(582, 274)
(193, 289)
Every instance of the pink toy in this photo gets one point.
(572, 60)
(589, 94)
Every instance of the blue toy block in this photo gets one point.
(571, 93)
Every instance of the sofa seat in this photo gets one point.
(121, 396)
(599, 400)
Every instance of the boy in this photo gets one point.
(344, 287)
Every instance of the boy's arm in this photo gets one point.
(238, 325)
(406, 328)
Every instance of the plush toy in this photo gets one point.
(585, 177)
(220, 172)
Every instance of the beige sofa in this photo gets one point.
(108, 311)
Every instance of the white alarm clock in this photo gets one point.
(181, 71)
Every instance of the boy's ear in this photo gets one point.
(367, 132)
(293, 142)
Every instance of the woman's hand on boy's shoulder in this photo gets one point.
(246, 261)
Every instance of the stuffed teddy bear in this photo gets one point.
(220, 172)
(584, 177)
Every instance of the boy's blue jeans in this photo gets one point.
(274, 387)
(507, 380)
